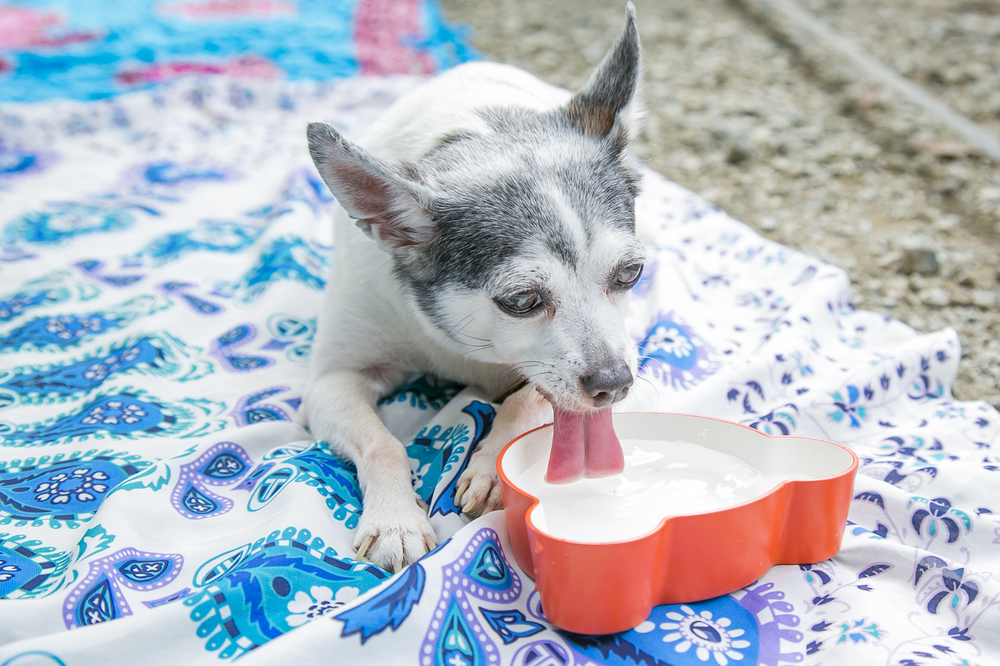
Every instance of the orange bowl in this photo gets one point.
(601, 588)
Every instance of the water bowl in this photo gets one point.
(595, 577)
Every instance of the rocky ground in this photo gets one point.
(819, 162)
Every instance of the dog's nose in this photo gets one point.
(607, 385)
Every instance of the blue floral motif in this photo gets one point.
(430, 451)
(849, 408)
(208, 236)
(423, 393)
(680, 635)
(511, 625)
(388, 608)
(164, 179)
(933, 514)
(18, 572)
(30, 569)
(748, 627)
(64, 221)
(262, 590)
(63, 489)
(61, 331)
(160, 355)
(81, 376)
(779, 421)
(126, 414)
(942, 583)
(334, 479)
(859, 631)
(482, 416)
(50, 289)
(58, 331)
(284, 259)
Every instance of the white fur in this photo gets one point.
(371, 335)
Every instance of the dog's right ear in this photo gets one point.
(388, 199)
(606, 106)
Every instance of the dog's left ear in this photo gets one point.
(388, 199)
(606, 107)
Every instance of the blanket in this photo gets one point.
(162, 257)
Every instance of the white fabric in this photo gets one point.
(161, 266)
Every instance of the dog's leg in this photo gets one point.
(393, 530)
(478, 489)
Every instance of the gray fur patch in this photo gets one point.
(492, 200)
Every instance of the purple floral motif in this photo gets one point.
(776, 619)
(15, 162)
(100, 596)
(252, 409)
(675, 354)
(223, 464)
(224, 349)
(481, 574)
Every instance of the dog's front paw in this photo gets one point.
(393, 535)
(478, 489)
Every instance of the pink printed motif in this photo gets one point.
(381, 30)
(224, 9)
(249, 67)
(22, 29)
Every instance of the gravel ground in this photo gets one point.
(817, 161)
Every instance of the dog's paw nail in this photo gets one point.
(430, 542)
(363, 548)
(472, 507)
(463, 485)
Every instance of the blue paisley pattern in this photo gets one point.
(157, 320)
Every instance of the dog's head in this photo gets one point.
(517, 245)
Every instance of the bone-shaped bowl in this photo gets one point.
(601, 588)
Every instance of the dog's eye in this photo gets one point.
(627, 277)
(520, 304)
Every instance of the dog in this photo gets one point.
(485, 234)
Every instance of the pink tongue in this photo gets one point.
(583, 445)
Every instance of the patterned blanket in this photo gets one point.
(162, 256)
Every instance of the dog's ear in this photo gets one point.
(387, 199)
(606, 106)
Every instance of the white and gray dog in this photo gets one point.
(486, 235)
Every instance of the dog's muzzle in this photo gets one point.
(608, 385)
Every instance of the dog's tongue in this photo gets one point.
(583, 445)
